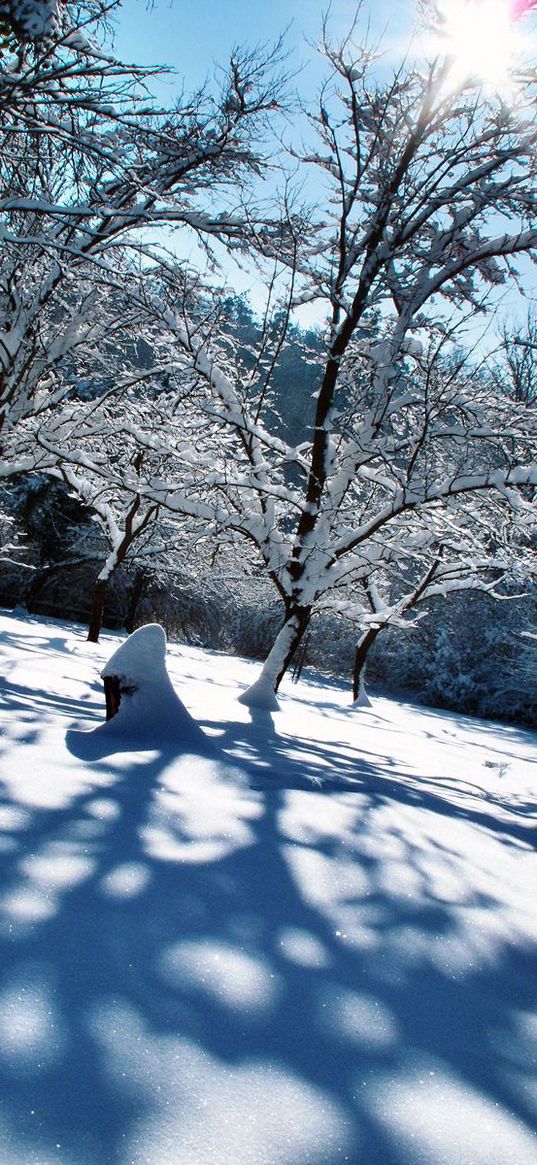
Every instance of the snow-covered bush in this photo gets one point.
(471, 654)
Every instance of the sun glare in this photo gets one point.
(481, 39)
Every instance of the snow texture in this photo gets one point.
(362, 700)
(317, 945)
(141, 659)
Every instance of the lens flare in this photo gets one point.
(481, 38)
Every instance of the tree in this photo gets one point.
(89, 163)
(52, 526)
(516, 370)
(122, 530)
(110, 449)
(401, 453)
(418, 176)
(459, 571)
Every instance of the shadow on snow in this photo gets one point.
(171, 952)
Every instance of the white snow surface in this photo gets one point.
(314, 942)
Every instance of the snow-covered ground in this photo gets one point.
(311, 940)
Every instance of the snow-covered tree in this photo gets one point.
(123, 527)
(453, 568)
(429, 187)
(516, 370)
(89, 163)
(111, 449)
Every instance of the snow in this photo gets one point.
(313, 942)
(149, 709)
(141, 658)
(261, 694)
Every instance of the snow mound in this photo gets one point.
(362, 700)
(141, 659)
(150, 711)
(260, 695)
(200, 972)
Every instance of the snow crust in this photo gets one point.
(37, 19)
(316, 944)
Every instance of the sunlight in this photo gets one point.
(358, 1019)
(57, 866)
(301, 947)
(429, 1105)
(29, 1026)
(481, 38)
(222, 972)
(126, 880)
(23, 906)
(194, 1105)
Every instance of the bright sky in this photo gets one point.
(195, 35)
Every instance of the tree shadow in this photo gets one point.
(265, 953)
(198, 970)
(294, 762)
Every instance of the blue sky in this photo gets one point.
(193, 36)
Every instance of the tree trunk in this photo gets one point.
(262, 693)
(300, 657)
(40, 578)
(112, 695)
(360, 663)
(134, 599)
(97, 610)
(116, 558)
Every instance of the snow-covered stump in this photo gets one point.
(141, 702)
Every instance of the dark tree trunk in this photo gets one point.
(300, 659)
(43, 576)
(112, 695)
(297, 619)
(35, 588)
(120, 554)
(97, 610)
(134, 599)
(360, 660)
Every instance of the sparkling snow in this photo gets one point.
(299, 938)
